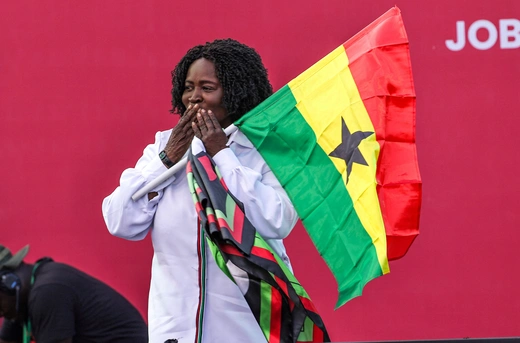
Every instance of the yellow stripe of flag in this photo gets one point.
(325, 93)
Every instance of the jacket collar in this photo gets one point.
(239, 138)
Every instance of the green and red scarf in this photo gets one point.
(279, 303)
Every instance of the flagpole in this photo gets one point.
(170, 172)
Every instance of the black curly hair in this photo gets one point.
(239, 69)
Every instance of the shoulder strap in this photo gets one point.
(27, 325)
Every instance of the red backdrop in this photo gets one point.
(85, 85)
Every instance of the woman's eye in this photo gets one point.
(188, 88)
(209, 89)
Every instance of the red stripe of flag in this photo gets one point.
(399, 182)
(263, 253)
(307, 303)
(229, 249)
(317, 334)
(283, 286)
(238, 224)
(211, 218)
(198, 207)
(276, 316)
(223, 223)
(204, 160)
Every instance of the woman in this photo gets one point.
(213, 85)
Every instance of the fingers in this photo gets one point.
(211, 121)
(198, 125)
(202, 122)
(182, 132)
(206, 125)
(189, 115)
(206, 120)
(184, 125)
(196, 130)
(191, 109)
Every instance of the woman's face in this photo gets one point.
(203, 87)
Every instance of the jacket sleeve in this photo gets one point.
(130, 219)
(266, 203)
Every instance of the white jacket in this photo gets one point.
(175, 291)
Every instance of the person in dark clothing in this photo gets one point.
(56, 303)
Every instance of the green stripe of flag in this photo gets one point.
(265, 308)
(316, 188)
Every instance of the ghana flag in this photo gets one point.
(340, 138)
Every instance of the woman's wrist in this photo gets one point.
(165, 159)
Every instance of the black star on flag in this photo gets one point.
(348, 149)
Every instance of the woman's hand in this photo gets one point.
(182, 134)
(207, 128)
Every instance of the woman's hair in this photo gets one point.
(239, 69)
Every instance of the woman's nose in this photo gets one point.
(195, 97)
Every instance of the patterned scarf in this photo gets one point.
(279, 303)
